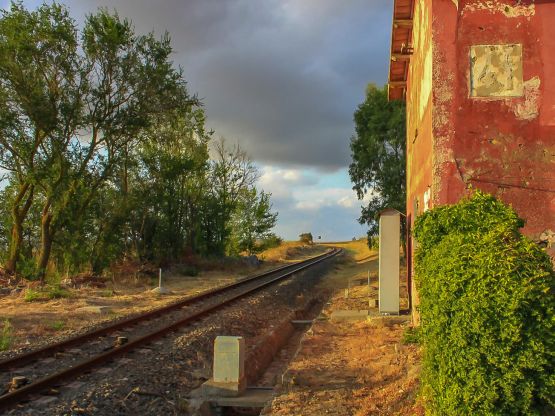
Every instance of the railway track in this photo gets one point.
(50, 366)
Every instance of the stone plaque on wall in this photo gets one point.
(496, 71)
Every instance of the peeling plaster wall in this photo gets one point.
(499, 137)
(419, 126)
(546, 20)
(419, 110)
(444, 47)
(509, 9)
(496, 71)
(503, 142)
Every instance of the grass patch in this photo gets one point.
(6, 337)
(57, 325)
(51, 292)
(56, 292)
(34, 295)
(411, 335)
(106, 293)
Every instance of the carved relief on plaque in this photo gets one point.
(496, 71)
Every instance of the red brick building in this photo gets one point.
(479, 80)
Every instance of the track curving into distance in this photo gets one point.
(172, 317)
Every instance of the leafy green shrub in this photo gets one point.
(6, 335)
(53, 278)
(488, 312)
(270, 241)
(27, 268)
(56, 292)
(33, 295)
(187, 270)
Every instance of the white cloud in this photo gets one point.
(312, 199)
(282, 182)
(292, 175)
(346, 201)
(309, 200)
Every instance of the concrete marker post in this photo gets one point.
(228, 378)
(389, 258)
(160, 290)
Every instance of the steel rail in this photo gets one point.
(48, 350)
(80, 368)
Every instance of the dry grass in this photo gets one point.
(353, 368)
(352, 270)
(290, 251)
(36, 313)
(354, 265)
(357, 250)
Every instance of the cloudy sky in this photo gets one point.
(281, 77)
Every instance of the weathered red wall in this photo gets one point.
(502, 145)
(505, 146)
(419, 114)
(419, 126)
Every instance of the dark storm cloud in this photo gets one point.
(281, 77)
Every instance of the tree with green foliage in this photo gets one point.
(72, 110)
(171, 161)
(306, 238)
(232, 173)
(129, 80)
(145, 212)
(252, 221)
(378, 156)
(40, 102)
(105, 152)
(487, 304)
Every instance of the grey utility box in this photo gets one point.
(390, 221)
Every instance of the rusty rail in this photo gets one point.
(20, 394)
(48, 350)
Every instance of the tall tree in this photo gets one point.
(39, 92)
(173, 160)
(378, 152)
(129, 81)
(232, 172)
(104, 154)
(72, 108)
(252, 220)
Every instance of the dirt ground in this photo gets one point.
(28, 325)
(352, 368)
(340, 368)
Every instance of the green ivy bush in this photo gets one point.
(487, 304)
